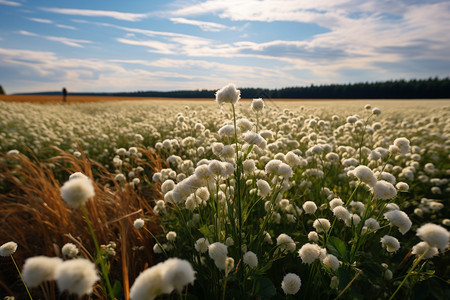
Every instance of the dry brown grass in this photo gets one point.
(33, 214)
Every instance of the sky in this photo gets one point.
(166, 45)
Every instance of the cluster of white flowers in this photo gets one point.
(163, 278)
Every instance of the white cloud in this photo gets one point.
(127, 75)
(97, 13)
(10, 3)
(205, 26)
(155, 46)
(46, 21)
(24, 32)
(365, 31)
(66, 26)
(64, 40)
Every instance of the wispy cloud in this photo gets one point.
(66, 27)
(124, 16)
(127, 75)
(154, 46)
(205, 26)
(10, 3)
(368, 32)
(64, 40)
(46, 21)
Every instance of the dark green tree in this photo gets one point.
(2, 92)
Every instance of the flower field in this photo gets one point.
(225, 199)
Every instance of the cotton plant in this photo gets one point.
(262, 200)
(358, 217)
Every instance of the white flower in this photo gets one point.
(244, 125)
(388, 274)
(249, 166)
(403, 144)
(371, 225)
(77, 191)
(291, 284)
(390, 243)
(226, 131)
(77, 175)
(263, 187)
(167, 186)
(250, 259)
(228, 94)
(149, 284)
(331, 261)
(353, 220)
(38, 269)
(76, 276)
(434, 235)
(376, 111)
(341, 213)
(218, 252)
(309, 207)
(313, 236)
(365, 174)
(336, 202)
(138, 223)
(286, 243)
(69, 250)
(171, 236)
(8, 248)
(384, 190)
(309, 253)
(257, 104)
(201, 245)
(177, 273)
(321, 225)
(400, 219)
(402, 186)
(254, 138)
(421, 247)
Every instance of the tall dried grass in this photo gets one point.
(33, 214)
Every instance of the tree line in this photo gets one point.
(431, 88)
(393, 89)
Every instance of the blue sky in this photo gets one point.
(96, 46)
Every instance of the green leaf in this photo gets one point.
(264, 288)
(117, 289)
(338, 248)
(205, 230)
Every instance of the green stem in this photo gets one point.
(157, 242)
(224, 287)
(238, 200)
(98, 254)
(410, 271)
(20, 274)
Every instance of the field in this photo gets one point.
(172, 199)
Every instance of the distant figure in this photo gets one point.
(64, 93)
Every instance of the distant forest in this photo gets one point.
(431, 88)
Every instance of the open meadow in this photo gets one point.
(226, 199)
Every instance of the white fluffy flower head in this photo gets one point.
(291, 284)
(38, 269)
(8, 248)
(228, 94)
(309, 253)
(76, 276)
(77, 191)
(384, 190)
(390, 243)
(257, 104)
(434, 235)
(400, 219)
